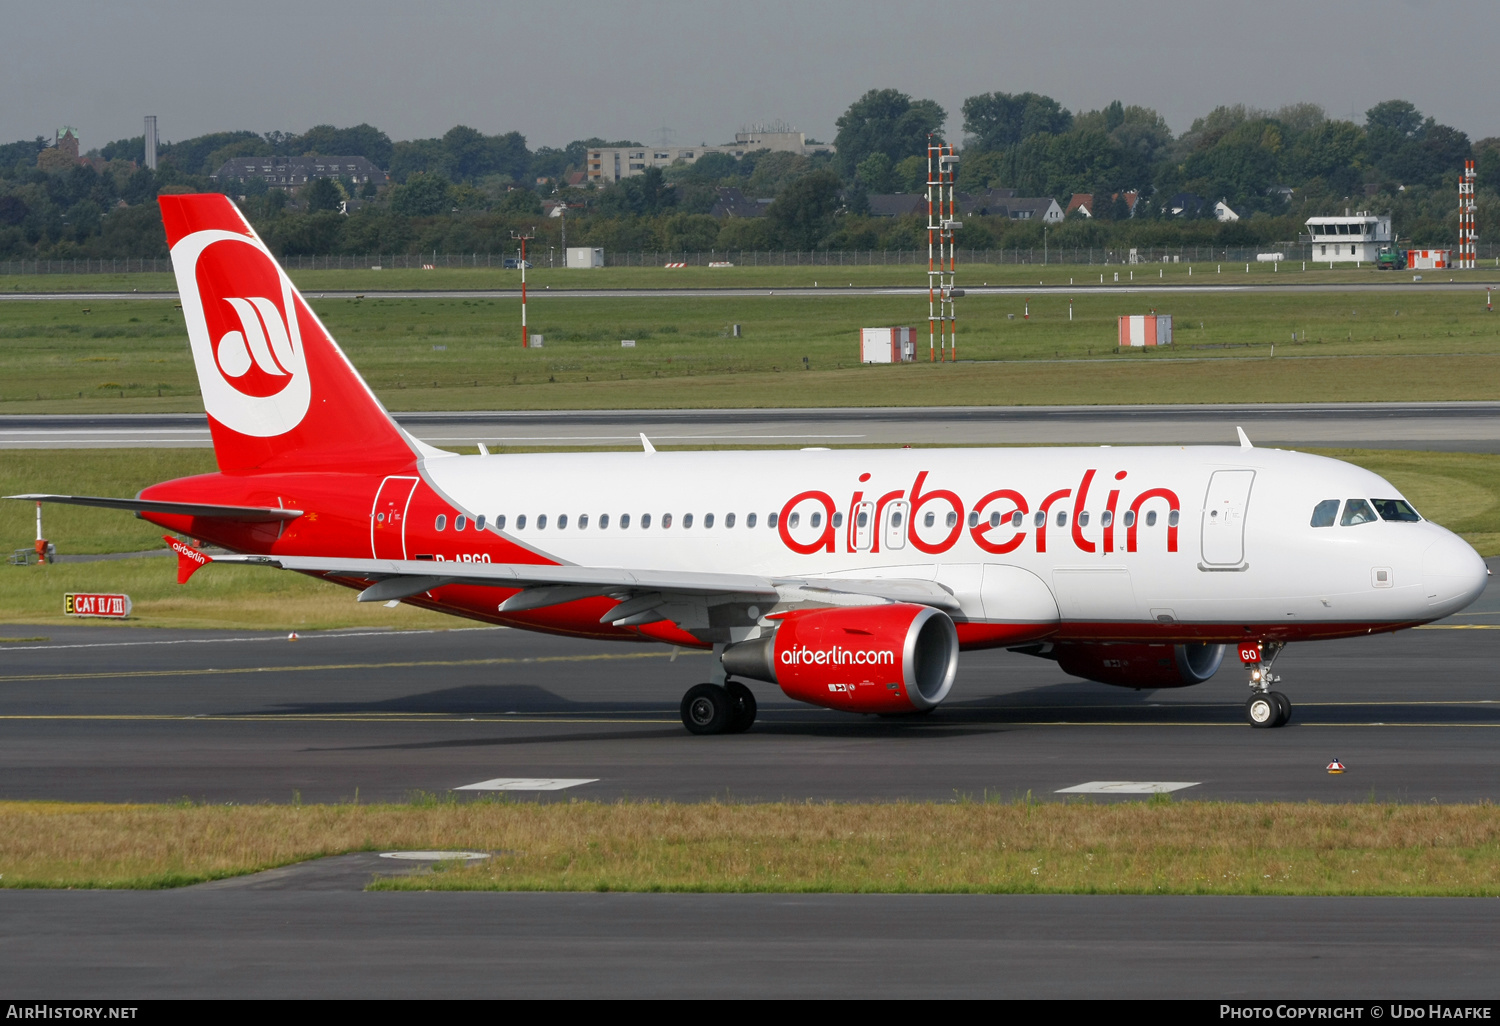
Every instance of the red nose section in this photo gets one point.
(280, 394)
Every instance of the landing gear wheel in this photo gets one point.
(1261, 710)
(707, 709)
(744, 707)
(1284, 706)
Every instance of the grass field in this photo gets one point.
(442, 354)
(1458, 490)
(745, 275)
(971, 845)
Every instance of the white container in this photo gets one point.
(887, 345)
(583, 256)
(1145, 330)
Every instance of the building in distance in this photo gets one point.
(608, 164)
(1351, 238)
(295, 172)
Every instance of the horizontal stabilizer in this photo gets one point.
(249, 514)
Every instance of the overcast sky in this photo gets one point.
(703, 68)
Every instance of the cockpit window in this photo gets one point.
(1396, 509)
(1325, 513)
(1357, 511)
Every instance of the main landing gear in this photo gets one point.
(727, 708)
(1267, 708)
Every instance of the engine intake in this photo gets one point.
(1139, 665)
(871, 659)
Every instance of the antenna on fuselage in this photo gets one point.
(1244, 438)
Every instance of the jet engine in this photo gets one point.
(1136, 665)
(896, 658)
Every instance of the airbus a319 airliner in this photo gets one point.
(850, 579)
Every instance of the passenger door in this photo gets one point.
(1224, 509)
(388, 518)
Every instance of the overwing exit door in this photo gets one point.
(1224, 509)
(388, 518)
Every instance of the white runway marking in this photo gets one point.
(434, 856)
(274, 637)
(528, 784)
(1128, 787)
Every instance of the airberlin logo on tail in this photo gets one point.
(242, 322)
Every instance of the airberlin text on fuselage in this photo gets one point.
(996, 526)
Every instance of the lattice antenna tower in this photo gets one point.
(942, 258)
(1467, 251)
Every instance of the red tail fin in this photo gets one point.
(279, 392)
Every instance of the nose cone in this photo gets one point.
(1453, 574)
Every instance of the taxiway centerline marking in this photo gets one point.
(314, 636)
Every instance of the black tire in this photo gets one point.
(707, 709)
(744, 707)
(1262, 711)
(1285, 706)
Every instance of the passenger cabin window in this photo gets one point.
(1083, 518)
(459, 522)
(562, 522)
(500, 522)
(1062, 518)
(771, 520)
(1173, 517)
(521, 522)
(541, 522)
(624, 521)
(793, 520)
(729, 520)
(479, 522)
(1356, 511)
(583, 521)
(666, 521)
(603, 521)
(749, 520)
(687, 520)
(817, 519)
(1325, 513)
(1398, 510)
(645, 521)
(708, 520)
(440, 523)
(1151, 518)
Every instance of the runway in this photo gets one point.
(829, 274)
(1457, 426)
(234, 941)
(98, 713)
(114, 714)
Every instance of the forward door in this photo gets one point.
(1224, 509)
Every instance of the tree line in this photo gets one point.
(467, 192)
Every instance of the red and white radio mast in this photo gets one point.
(942, 261)
(1467, 251)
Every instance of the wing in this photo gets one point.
(692, 600)
(248, 514)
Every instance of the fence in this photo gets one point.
(1071, 256)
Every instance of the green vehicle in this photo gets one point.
(1390, 259)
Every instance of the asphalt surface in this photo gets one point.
(100, 713)
(109, 713)
(1457, 426)
(215, 941)
(1398, 283)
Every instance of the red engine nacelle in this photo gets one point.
(896, 658)
(1139, 665)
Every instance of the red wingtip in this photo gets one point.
(189, 559)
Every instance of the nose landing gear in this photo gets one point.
(1266, 708)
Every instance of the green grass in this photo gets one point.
(1458, 490)
(967, 846)
(794, 276)
(435, 354)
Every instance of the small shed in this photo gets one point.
(887, 345)
(1145, 330)
(583, 256)
(1429, 259)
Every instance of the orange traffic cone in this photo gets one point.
(293, 637)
